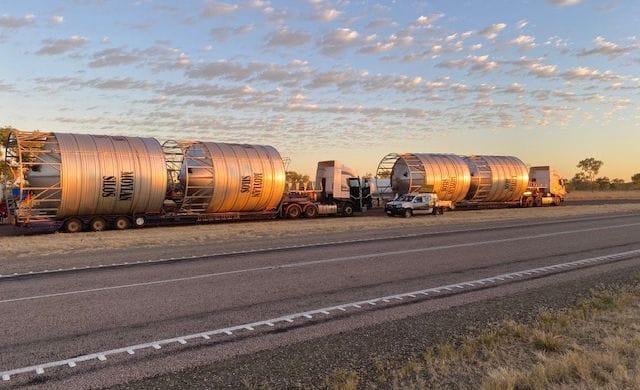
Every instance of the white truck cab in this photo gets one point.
(417, 203)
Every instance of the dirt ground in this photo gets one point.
(176, 236)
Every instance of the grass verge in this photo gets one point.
(594, 344)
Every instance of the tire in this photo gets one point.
(311, 211)
(441, 210)
(347, 210)
(434, 211)
(122, 223)
(293, 211)
(140, 221)
(408, 213)
(527, 202)
(556, 201)
(98, 224)
(73, 225)
(538, 202)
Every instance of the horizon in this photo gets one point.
(552, 82)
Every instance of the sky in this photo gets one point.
(549, 81)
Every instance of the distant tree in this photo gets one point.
(579, 182)
(295, 177)
(635, 179)
(603, 183)
(590, 167)
(618, 184)
(4, 134)
(384, 174)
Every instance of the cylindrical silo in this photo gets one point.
(445, 174)
(219, 177)
(80, 174)
(496, 178)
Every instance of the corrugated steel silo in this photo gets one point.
(220, 177)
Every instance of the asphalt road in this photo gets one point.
(52, 317)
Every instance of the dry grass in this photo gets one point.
(600, 195)
(596, 344)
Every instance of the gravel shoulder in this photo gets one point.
(58, 244)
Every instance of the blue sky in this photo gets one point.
(549, 81)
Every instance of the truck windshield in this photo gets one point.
(406, 198)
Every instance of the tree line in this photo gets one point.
(588, 179)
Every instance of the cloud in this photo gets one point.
(326, 14)
(492, 31)
(525, 42)
(338, 40)
(391, 42)
(60, 46)
(219, 9)
(114, 57)
(339, 79)
(563, 3)
(427, 20)
(609, 49)
(7, 21)
(520, 24)
(584, 73)
(224, 69)
(477, 64)
(514, 88)
(221, 34)
(287, 38)
(57, 19)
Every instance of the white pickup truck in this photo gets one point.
(419, 203)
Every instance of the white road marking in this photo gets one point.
(102, 356)
(312, 245)
(312, 262)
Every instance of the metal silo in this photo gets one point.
(497, 178)
(220, 177)
(445, 174)
(63, 175)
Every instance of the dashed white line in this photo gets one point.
(39, 369)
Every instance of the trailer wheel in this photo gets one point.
(408, 213)
(556, 201)
(527, 202)
(98, 224)
(73, 225)
(293, 211)
(311, 211)
(441, 210)
(347, 210)
(140, 221)
(122, 223)
(538, 202)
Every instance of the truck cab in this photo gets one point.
(419, 203)
(341, 186)
(546, 187)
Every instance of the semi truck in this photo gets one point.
(79, 181)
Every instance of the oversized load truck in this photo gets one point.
(472, 181)
(79, 181)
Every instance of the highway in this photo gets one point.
(56, 316)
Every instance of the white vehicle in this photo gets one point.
(418, 203)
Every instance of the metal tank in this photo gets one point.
(78, 174)
(445, 174)
(456, 178)
(496, 178)
(220, 177)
